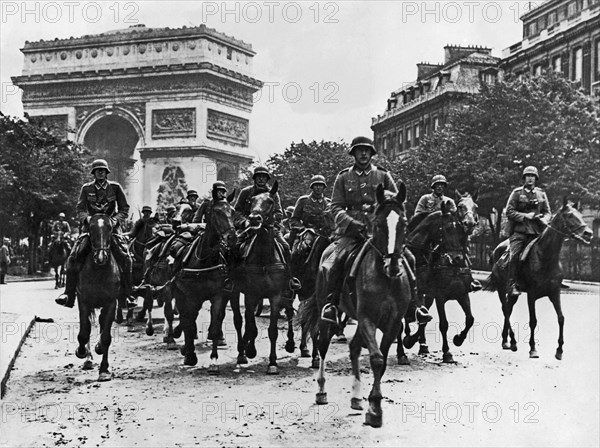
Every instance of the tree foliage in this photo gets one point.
(543, 121)
(298, 163)
(40, 175)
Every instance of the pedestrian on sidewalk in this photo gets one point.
(4, 260)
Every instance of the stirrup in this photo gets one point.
(327, 309)
(131, 302)
(475, 285)
(295, 284)
(63, 300)
(227, 285)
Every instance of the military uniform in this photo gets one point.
(311, 212)
(431, 202)
(143, 229)
(61, 226)
(201, 214)
(244, 203)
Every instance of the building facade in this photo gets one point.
(168, 108)
(423, 105)
(562, 36)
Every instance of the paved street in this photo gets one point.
(489, 397)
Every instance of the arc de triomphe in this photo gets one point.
(168, 108)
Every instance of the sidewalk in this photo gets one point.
(15, 328)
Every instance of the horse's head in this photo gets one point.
(569, 221)
(221, 221)
(466, 210)
(183, 213)
(100, 231)
(389, 226)
(262, 206)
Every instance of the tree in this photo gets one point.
(298, 163)
(40, 176)
(543, 121)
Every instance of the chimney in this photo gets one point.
(425, 68)
(455, 52)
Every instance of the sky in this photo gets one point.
(328, 67)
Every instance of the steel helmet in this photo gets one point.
(438, 179)
(318, 179)
(146, 208)
(61, 215)
(289, 209)
(219, 185)
(362, 141)
(99, 163)
(192, 192)
(171, 209)
(261, 170)
(531, 170)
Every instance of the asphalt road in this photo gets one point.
(489, 397)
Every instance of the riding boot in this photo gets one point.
(422, 315)
(68, 297)
(124, 260)
(329, 313)
(294, 283)
(514, 288)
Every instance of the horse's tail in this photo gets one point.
(309, 315)
(489, 284)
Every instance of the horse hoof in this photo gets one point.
(241, 359)
(98, 349)
(272, 370)
(81, 352)
(304, 353)
(190, 360)
(251, 351)
(149, 330)
(168, 339)
(222, 343)
(140, 316)
(290, 346)
(533, 354)
(119, 317)
(321, 398)
(316, 363)
(403, 361)
(55, 286)
(183, 350)
(505, 346)
(513, 347)
(356, 404)
(171, 346)
(409, 342)
(423, 350)
(373, 420)
(213, 369)
(458, 341)
(177, 332)
(87, 365)
(447, 357)
(558, 355)
(104, 376)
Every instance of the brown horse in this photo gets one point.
(98, 286)
(540, 273)
(262, 274)
(57, 253)
(443, 269)
(202, 278)
(378, 298)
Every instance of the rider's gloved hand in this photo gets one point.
(356, 228)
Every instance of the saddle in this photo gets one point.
(527, 249)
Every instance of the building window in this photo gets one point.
(571, 9)
(551, 18)
(436, 123)
(577, 64)
(533, 29)
(557, 64)
(408, 137)
(489, 77)
(537, 70)
(229, 53)
(400, 140)
(598, 60)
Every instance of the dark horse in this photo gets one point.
(378, 297)
(202, 278)
(443, 269)
(540, 272)
(98, 286)
(58, 253)
(262, 274)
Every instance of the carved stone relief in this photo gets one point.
(172, 123)
(227, 127)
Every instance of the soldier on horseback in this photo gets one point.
(432, 202)
(528, 213)
(311, 210)
(352, 202)
(102, 196)
(61, 226)
(261, 177)
(142, 229)
(202, 212)
(192, 198)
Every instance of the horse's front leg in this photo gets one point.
(355, 348)
(324, 338)
(238, 321)
(441, 308)
(148, 305)
(275, 304)
(400, 354)
(532, 324)
(85, 328)
(103, 345)
(290, 344)
(215, 332)
(250, 331)
(555, 299)
(168, 325)
(508, 303)
(187, 322)
(367, 330)
(465, 304)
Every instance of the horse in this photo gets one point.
(262, 274)
(58, 253)
(443, 269)
(98, 286)
(202, 277)
(540, 273)
(376, 294)
(306, 257)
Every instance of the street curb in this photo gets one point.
(34, 279)
(11, 363)
(575, 282)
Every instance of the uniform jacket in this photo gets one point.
(61, 226)
(108, 198)
(143, 229)
(523, 201)
(4, 254)
(201, 214)
(431, 202)
(311, 212)
(354, 195)
(244, 202)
